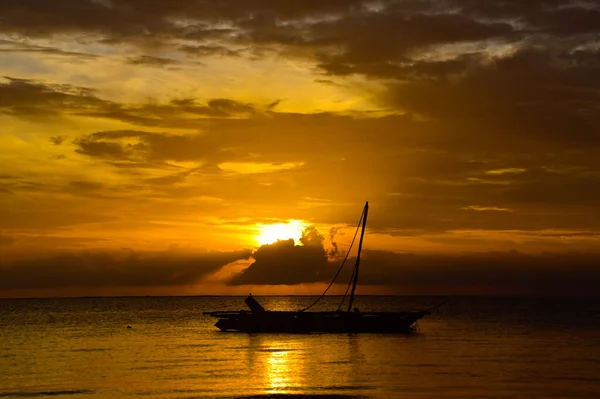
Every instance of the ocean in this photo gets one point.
(471, 347)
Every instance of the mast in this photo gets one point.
(362, 234)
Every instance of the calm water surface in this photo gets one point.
(470, 348)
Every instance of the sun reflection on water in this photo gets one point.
(278, 372)
(279, 362)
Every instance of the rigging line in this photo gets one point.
(341, 266)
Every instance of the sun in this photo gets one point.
(270, 233)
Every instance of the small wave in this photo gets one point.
(194, 345)
(262, 349)
(212, 360)
(347, 388)
(159, 367)
(89, 350)
(186, 391)
(458, 373)
(579, 379)
(33, 394)
(275, 350)
(428, 365)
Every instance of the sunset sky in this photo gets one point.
(154, 147)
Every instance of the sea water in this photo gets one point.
(163, 347)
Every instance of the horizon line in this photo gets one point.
(575, 295)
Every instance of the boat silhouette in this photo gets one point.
(260, 320)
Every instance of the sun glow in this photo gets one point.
(270, 233)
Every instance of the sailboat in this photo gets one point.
(259, 320)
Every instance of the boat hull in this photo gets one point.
(318, 322)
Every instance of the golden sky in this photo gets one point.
(160, 147)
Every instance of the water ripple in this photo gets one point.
(33, 394)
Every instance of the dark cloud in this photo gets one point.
(121, 20)
(131, 19)
(274, 104)
(535, 94)
(224, 106)
(488, 272)
(81, 185)
(303, 263)
(569, 21)
(209, 50)
(214, 25)
(325, 82)
(101, 149)
(57, 140)
(178, 112)
(434, 206)
(553, 17)
(18, 184)
(28, 99)
(152, 61)
(484, 272)
(117, 146)
(372, 49)
(546, 187)
(9, 46)
(105, 269)
(173, 178)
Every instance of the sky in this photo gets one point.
(192, 147)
